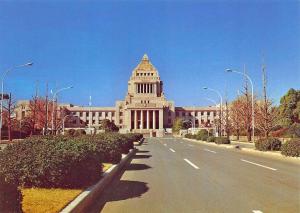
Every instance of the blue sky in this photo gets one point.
(94, 46)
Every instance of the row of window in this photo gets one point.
(144, 74)
(94, 114)
(196, 113)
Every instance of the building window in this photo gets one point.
(151, 74)
(113, 114)
(202, 113)
(80, 114)
(106, 114)
(169, 113)
(87, 114)
(177, 114)
(93, 114)
(190, 114)
(121, 113)
(121, 121)
(169, 121)
(215, 114)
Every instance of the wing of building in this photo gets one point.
(145, 108)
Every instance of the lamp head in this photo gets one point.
(29, 64)
(228, 70)
(204, 87)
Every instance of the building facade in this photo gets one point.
(145, 108)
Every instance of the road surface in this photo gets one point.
(175, 175)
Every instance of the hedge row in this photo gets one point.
(291, 148)
(62, 161)
(10, 196)
(268, 144)
(203, 137)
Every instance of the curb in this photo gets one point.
(253, 151)
(87, 197)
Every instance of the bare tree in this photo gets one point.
(8, 114)
(266, 115)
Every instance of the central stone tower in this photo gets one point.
(146, 109)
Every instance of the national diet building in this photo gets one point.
(145, 108)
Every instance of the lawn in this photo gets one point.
(36, 200)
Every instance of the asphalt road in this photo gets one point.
(174, 175)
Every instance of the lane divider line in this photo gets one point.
(172, 150)
(191, 145)
(257, 211)
(258, 165)
(210, 151)
(189, 162)
(165, 144)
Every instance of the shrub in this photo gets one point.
(266, 144)
(10, 196)
(291, 148)
(190, 136)
(79, 132)
(211, 139)
(204, 137)
(202, 132)
(70, 132)
(222, 140)
(44, 162)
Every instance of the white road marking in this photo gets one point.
(258, 165)
(210, 151)
(189, 162)
(172, 150)
(181, 142)
(190, 145)
(165, 144)
(257, 211)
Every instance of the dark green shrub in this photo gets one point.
(222, 140)
(70, 132)
(79, 132)
(44, 162)
(291, 148)
(211, 139)
(202, 135)
(268, 144)
(10, 196)
(190, 136)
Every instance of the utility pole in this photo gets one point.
(265, 97)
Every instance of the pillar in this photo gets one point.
(142, 119)
(129, 120)
(161, 119)
(148, 120)
(135, 119)
(153, 114)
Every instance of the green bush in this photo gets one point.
(10, 196)
(268, 144)
(190, 136)
(222, 140)
(70, 132)
(44, 162)
(211, 139)
(291, 148)
(204, 137)
(79, 132)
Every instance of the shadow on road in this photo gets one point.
(119, 190)
(141, 156)
(137, 166)
(142, 151)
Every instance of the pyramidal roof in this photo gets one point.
(145, 65)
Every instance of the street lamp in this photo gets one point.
(221, 104)
(248, 77)
(53, 100)
(2, 90)
(215, 103)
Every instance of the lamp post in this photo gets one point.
(215, 103)
(2, 90)
(250, 80)
(53, 101)
(221, 105)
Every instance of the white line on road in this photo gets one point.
(165, 144)
(258, 165)
(190, 145)
(257, 211)
(189, 162)
(181, 142)
(172, 150)
(210, 151)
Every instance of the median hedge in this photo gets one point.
(65, 162)
(222, 140)
(291, 148)
(268, 144)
